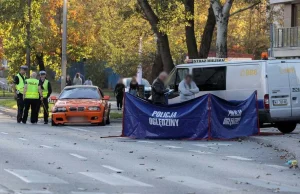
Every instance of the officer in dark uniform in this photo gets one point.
(18, 88)
(45, 92)
(31, 98)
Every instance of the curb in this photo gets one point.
(275, 144)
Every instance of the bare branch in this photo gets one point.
(245, 8)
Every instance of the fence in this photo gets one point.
(286, 37)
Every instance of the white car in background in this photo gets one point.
(147, 86)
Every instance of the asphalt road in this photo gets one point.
(40, 159)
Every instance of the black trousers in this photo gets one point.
(119, 101)
(20, 103)
(46, 109)
(31, 103)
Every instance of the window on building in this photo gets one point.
(296, 15)
(210, 78)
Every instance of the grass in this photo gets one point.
(5, 93)
(11, 103)
(116, 115)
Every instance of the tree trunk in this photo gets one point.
(162, 38)
(40, 61)
(222, 18)
(221, 44)
(28, 35)
(157, 66)
(207, 35)
(190, 30)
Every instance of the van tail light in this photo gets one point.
(266, 101)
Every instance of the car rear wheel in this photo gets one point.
(286, 127)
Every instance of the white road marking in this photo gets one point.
(212, 145)
(114, 179)
(239, 158)
(23, 139)
(34, 176)
(32, 192)
(269, 185)
(277, 166)
(145, 141)
(4, 133)
(197, 183)
(86, 193)
(78, 129)
(112, 168)
(174, 147)
(78, 156)
(200, 152)
(45, 146)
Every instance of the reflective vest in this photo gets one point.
(32, 91)
(45, 88)
(20, 86)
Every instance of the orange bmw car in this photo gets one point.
(82, 105)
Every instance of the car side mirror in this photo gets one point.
(53, 99)
(106, 98)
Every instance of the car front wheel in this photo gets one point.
(286, 127)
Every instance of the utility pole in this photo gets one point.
(140, 69)
(64, 46)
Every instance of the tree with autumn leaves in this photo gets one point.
(109, 31)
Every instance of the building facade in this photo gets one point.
(285, 41)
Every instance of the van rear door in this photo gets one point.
(294, 75)
(279, 89)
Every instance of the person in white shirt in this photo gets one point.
(187, 89)
(88, 82)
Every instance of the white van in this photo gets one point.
(277, 83)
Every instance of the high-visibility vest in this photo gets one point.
(32, 91)
(45, 88)
(21, 84)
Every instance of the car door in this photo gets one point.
(294, 75)
(279, 89)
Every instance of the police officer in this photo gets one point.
(31, 98)
(18, 88)
(45, 92)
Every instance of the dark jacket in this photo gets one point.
(158, 92)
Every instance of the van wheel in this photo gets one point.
(286, 127)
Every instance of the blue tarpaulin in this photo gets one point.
(205, 117)
(233, 119)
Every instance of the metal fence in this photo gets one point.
(286, 37)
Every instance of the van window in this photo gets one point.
(210, 78)
(181, 73)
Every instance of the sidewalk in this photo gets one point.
(273, 138)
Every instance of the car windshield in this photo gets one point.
(80, 93)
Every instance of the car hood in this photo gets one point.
(78, 102)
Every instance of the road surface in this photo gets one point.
(40, 159)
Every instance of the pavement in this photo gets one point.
(38, 159)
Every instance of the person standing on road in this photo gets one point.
(119, 92)
(45, 91)
(88, 82)
(77, 79)
(18, 88)
(68, 81)
(187, 88)
(133, 86)
(31, 98)
(159, 90)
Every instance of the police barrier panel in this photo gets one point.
(185, 120)
(190, 120)
(233, 119)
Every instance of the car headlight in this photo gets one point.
(60, 109)
(94, 108)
